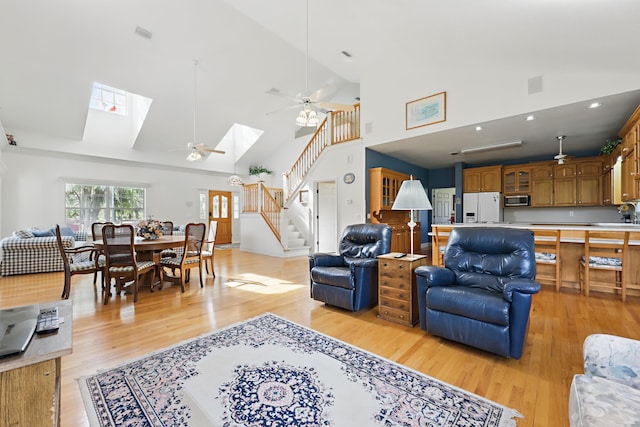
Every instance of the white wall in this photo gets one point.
(33, 187)
(334, 162)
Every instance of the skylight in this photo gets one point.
(109, 99)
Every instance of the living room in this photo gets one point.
(44, 94)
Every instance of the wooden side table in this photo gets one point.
(30, 382)
(397, 292)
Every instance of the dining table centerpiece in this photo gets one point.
(149, 229)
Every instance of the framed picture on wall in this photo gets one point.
(304, 196)
(427, 111)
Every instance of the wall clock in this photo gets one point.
(349, 178)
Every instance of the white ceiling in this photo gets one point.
(53, 51)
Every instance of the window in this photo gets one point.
(86, 204)
(107, 98)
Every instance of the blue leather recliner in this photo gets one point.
(350, 280)
(482, 297)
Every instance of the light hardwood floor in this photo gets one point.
(247, 284)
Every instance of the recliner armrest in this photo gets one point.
(432, 275)
(524, 286)
(362, 262)
(326, 260)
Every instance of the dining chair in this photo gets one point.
(96, 234)
(606, 251)
(121, 263)
(209, 245)
(547, 247)
(167, 230)
(191, 255)
(78, 260)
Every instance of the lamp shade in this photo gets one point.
(411, 196)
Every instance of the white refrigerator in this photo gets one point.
(481, 207)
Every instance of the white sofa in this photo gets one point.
(608, 393)
(36, 250)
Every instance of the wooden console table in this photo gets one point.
(30, 382)
(397, 292)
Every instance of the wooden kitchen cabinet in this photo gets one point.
(607, 179)
(542, 184)
(397, 288)
(384, 185)
(630, 177)
(578, 183)
(488, 178)
(516, 180)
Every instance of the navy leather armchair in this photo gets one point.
(350, 280)
(482, 296)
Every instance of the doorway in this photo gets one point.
(221, 210)
(443, 205)
(326, 210)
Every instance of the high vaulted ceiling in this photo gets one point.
(53, 51)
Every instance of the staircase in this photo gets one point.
(271, 204)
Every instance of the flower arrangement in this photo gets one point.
(149, 229)
(259, 170)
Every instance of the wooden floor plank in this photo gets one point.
(248, 284)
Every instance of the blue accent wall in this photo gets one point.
(373, 159)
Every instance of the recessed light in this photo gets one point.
(478, 128)
(529, 118)
(595, 105)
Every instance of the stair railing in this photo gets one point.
(336, 128)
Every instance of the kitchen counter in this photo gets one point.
(571, 245)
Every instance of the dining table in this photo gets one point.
(150, 250)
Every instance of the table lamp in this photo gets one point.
(411, 197)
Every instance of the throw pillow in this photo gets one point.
(42, 233)
(66, 231)
(25, 234)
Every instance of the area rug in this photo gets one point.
(268, 371)
(228, 246)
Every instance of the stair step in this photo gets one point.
(295, 243)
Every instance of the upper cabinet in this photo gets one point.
(384, 187)
(488, 178)
(542, 184)
(516, 180)
(630, 152)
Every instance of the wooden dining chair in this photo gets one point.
(209, 246)
(96, 234)
(191, 255)
(547, 247)
(78, 260)
(167, 230)
(121, 263)
(606, 251)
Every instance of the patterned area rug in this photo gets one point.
(268, 371)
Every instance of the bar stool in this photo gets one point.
(606, 251)
(547, 251)
(442, 238)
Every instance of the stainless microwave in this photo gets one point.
(510, 201)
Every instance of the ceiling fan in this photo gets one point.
(560, 156)
(197, 151)
(310, 101)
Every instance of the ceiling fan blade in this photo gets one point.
(202, 148)
(276, 92)
(332, 106)
(280, 110)
(325, 92)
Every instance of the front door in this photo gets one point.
(220, 209)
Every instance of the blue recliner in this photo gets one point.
(482, 297)
(350, 280)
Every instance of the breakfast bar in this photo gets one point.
(572, 239)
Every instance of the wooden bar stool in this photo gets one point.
(547, 248)
(442, 238)
(606, 251)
